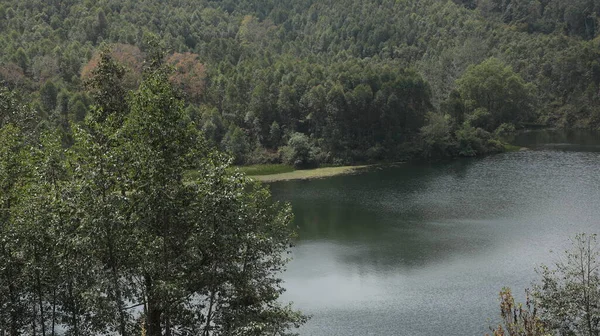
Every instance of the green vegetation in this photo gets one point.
(253, 170)
(492, 95)
(511, 148)
(569, 291)
(306, 83)
(100, 235)
(267, 169)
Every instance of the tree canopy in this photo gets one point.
(494, 94)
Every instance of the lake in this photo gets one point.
(424, 248)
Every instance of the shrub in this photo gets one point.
(505, 129)
(299, 152)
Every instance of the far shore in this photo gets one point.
(280, 172)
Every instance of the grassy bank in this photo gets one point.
(511, 148)
(308, 174)
(279, 172)
(266, 169)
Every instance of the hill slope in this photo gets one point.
(323, 81)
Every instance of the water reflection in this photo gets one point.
(572, 140)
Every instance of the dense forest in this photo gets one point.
(335, 82)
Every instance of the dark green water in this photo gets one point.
(423, 249)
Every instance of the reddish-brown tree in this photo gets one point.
(12, 74)
(129, 56)
(189, 74)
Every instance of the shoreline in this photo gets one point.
(325, 172)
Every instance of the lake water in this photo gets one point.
(424, 249)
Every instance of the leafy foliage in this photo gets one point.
(493, 94)
(299, 151)
(569, 292)
(565, 300)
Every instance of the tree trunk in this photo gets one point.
(14, 303)
(53, 311)
(33, 326)
(117, 288)
(41, 303)
(38, 283)
(73, 311)
(206, 330)
(119, 301)
(154, 311)
(167, 325)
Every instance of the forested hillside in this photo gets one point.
(335, 82)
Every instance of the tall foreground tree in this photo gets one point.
(13, 286)
(93, 232)
(17, 133)
(101, 194)
(208, 251)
